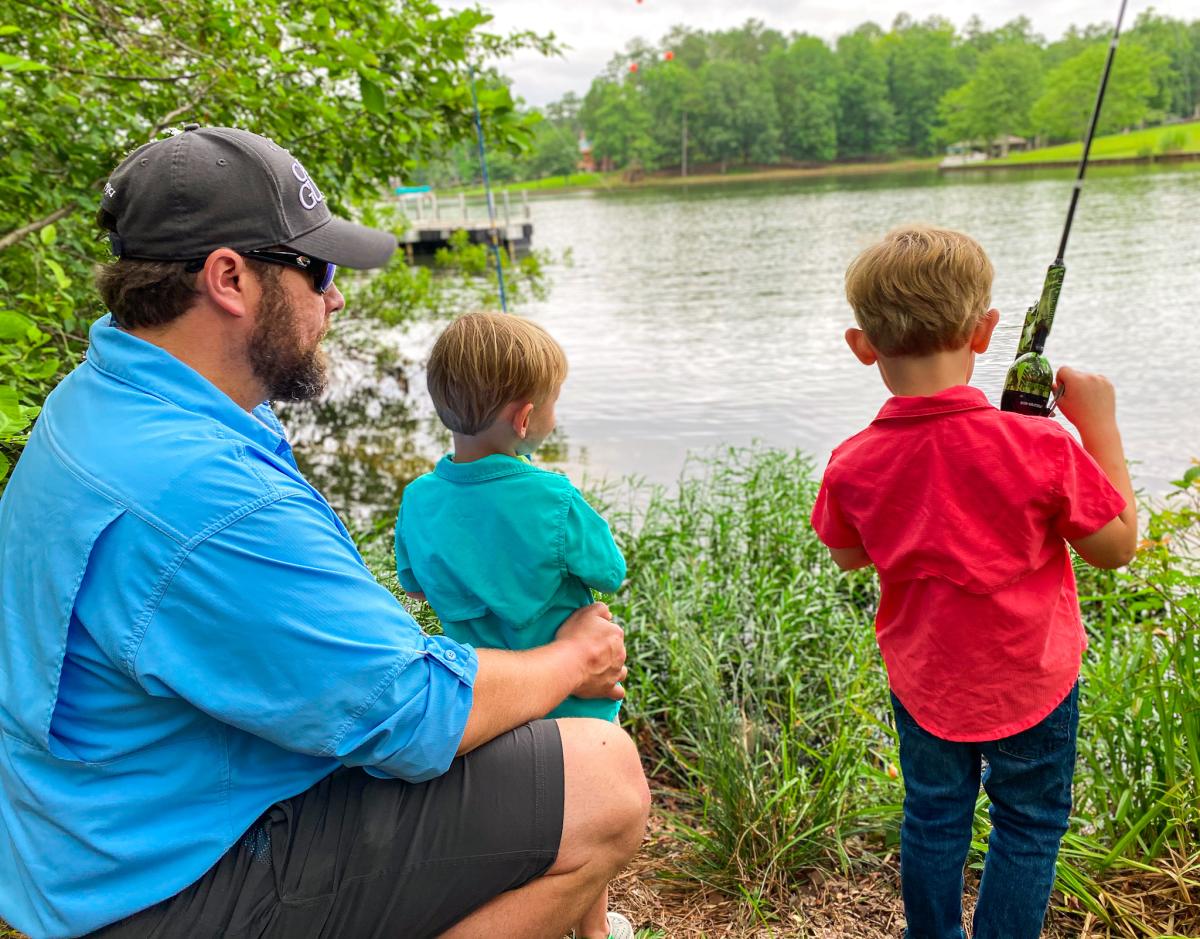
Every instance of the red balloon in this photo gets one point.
(633, 66)
(668, 55)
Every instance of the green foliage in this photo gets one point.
(754, 673)
(360, 90)
(805, 82)
(1064, 108)
(997, 100)
(866, 116)
(923, 65)
(753, 668)
(912, 89)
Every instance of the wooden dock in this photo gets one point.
(432, 224)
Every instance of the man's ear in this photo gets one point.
(981, 338)
(223, 280)
(520, 420)
(861, 346)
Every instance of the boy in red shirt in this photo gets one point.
(966, 513)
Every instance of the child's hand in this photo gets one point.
(1088, 401)
(416, 595)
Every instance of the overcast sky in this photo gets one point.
(592, 30)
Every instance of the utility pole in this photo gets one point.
(683, 148)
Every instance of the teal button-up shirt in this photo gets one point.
(187, 635)
(504, 552)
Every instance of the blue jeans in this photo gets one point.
(1028, 778)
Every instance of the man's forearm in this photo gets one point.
(512, 688)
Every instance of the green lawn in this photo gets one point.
(1154, 141)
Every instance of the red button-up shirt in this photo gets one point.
(965, 511)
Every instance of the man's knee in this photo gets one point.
(603, 770)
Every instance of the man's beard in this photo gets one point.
(288, 370)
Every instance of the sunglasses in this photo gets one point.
(320, 271)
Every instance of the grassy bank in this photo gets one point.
(617, 180)
(757, 691)
(1154, 141)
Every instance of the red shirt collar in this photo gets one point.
(957, 398)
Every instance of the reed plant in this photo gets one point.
(754, 671)
(755, 679)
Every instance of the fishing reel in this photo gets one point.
(1029, 385)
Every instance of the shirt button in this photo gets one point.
(451, 654)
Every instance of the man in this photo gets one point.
(213, 722)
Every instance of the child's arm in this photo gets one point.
(589, 551)
(404, 571)
(850, 559)
(1090, 403)
(836, 532)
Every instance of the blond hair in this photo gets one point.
(919, 290)
(484, 361)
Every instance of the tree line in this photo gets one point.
(754, 95)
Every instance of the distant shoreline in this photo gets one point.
(617, 179)
(1150, 160)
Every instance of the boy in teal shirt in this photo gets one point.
(502, 550)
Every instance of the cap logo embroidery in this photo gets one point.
(310, 195)
(109, 191)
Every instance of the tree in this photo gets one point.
(1179, 77)
(554, 151)
(866, 120)
(923, 64)
(617, 123)
(362, 91)
(737, 119)
(999, 97)
(804, 76)
(1062, 112)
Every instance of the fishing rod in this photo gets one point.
(1029, 385)
(493, 234)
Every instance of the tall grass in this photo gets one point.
(753, 667)
(755, 676)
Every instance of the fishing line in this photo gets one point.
(493, 234)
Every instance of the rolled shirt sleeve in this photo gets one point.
(274, 625)
(589, 550)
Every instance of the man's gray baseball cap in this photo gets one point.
(181, 198)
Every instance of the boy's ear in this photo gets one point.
(981, 338)
(520, 421)
(861, 346)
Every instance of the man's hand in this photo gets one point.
(586, 658)
(1088, 401)
(597, 649)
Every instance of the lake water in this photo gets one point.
(702, 318)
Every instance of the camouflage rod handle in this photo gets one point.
(1029, 385)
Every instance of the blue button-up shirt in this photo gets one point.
(187, 635)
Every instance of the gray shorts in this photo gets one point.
(356, 857)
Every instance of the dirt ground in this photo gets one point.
(866, 905)
(663, 904)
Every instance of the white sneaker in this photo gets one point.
(619, 927)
